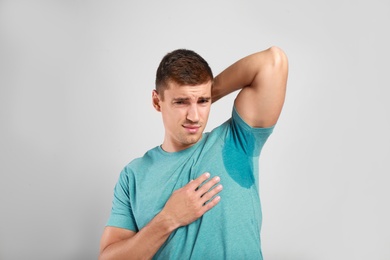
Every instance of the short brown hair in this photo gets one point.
(184, 67)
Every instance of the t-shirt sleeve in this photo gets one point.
(121, 212)
(250, 140)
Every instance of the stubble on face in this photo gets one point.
(188, 139)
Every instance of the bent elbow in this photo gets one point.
(278, 57)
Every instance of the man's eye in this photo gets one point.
(203, 101)
(179, 102)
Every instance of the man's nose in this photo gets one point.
(192, 113)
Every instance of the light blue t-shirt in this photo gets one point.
(230, 230)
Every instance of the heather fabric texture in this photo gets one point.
(230, 230)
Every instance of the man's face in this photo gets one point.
(185, 111)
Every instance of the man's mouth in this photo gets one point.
(192, 128)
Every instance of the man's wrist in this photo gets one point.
(216, 91)
(165, 222)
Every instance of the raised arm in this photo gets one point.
(183, 207)
(262, 78)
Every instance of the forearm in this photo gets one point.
(242, 73)
(144, 244)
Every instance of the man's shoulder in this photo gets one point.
(140, 162)
(226, 125)
(219, 131)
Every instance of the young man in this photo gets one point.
(169, 204)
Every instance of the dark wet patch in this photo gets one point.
(237, 157)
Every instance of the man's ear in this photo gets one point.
(156, 100)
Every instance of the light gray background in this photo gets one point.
(75, 107)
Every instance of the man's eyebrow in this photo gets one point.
(181, 99)
(187, 98)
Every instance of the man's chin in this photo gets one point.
(191, 140)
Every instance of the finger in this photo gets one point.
(210, 194)
(198, 181)
(207, 186)
(211, 204)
